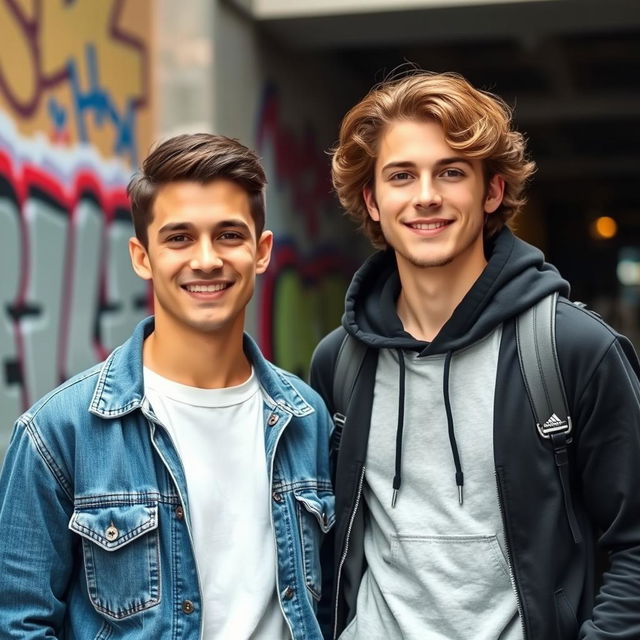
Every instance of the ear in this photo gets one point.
(263, 255)
(495, 194)
(139, 259)
(370, 201)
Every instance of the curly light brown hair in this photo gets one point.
(476, 123)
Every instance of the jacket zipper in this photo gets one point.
(346, 550)
(512, 576)
(182, 500)
(273, 457)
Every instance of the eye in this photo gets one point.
(401, 175)
(453, 172)
(231, 235)
(178, 238)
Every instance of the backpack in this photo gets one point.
(536, 343)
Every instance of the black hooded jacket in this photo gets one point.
(561, 592)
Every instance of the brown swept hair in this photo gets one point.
(200, 157)
(475, 122)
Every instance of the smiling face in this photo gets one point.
(202, 257)
(430, 201)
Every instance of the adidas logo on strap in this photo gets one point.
(554, 425)
(553, 421)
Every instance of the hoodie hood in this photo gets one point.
(515, 278)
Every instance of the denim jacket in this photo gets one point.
(94, 515)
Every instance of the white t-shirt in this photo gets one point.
(219, 436)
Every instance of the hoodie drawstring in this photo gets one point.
(452, 435)
(397, 478)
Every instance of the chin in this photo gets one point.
(426, 262)
(206, 326)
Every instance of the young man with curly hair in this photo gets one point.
(181, 488)
(452, 523)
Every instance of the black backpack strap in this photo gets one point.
(347, 368)
(536, 340)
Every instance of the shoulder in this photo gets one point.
(304, 389)
(581, 330)
(294, 391)
(67, 399)
(52, 427)
(576, 322)
(326, 352)
(54, 423)
(585, 342)
(323, 362)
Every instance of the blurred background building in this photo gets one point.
(87, 85)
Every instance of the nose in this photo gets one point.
(205, 258)
(428, 194)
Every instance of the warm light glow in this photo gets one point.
(605, 227)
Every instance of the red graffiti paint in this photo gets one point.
(46, 212)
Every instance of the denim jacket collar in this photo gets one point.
(120, 386)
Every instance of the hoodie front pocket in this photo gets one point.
(456, 586)
(121, 551)
(565, 616)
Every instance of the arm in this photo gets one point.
(36, 554)
(321, 379)
(608, 457)
(323, 364)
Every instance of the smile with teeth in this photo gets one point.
(430, 226)
(206, 288)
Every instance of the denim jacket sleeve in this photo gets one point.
(36, 554)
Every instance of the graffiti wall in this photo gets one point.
(288, 107)
(74, 119)
(302, 293)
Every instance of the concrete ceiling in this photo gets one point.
(571, 69)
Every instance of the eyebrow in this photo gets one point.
(439, 163)
(232, 223)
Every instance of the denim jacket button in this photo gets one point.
(276, 496)
(187, 607)
(288, 594)
(111, 533)
(179, 512)
(273, 418)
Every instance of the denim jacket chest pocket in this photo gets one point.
(121, 552)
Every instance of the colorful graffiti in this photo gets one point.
(72, 70)
(302, 300)
(300, 164)
(74, 116)
(302, 294)
(70, 296)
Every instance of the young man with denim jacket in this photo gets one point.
(181, 488)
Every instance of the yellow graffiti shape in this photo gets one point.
(27, 8)
(18, 65)
(67, 30)
(78, 71)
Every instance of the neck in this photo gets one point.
(195, 358)
(430, 295)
